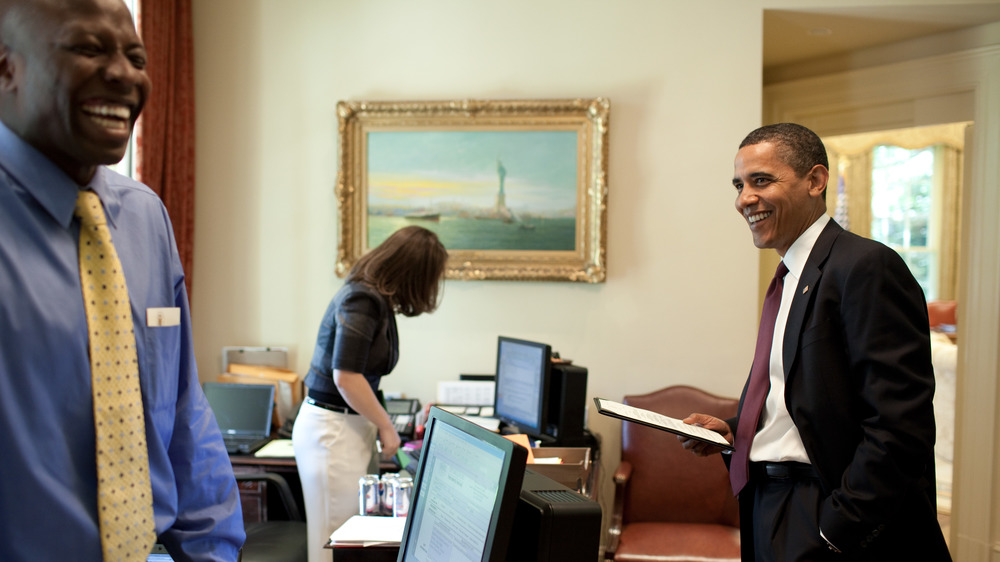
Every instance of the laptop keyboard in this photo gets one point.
(242, 445)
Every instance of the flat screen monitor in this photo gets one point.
(241, 409)
(465, 493)
(522, 384)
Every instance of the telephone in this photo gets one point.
(403, 413)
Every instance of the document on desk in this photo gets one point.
(491, 424)
(471, 393)
(369, 530)
(276, 448)
(659, 421)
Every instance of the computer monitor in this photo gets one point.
(241, 409)
(522, 385)
(159, 554)
(465, 494)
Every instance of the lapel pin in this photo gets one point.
(805, 289)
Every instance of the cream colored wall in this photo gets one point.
(679, 305)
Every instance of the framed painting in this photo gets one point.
(515, 189)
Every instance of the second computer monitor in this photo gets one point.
(522, 384)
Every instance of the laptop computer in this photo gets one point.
(159, 554)
(243, 412)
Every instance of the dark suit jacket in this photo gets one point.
(859, 384)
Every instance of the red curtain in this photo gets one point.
(165, 142)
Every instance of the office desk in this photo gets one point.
(254, 496)
(365, 554)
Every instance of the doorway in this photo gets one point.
(903, 187)
(898, 95)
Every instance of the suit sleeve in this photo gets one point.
(884, 406)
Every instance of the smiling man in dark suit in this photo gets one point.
(841, 461)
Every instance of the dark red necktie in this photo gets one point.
(760, 382)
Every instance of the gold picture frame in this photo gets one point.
(539, 212)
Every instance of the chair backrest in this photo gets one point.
(941, 312)
(669, 483)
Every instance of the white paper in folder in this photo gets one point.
(467, 393)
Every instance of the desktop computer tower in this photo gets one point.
(567, 405)
(553, 522)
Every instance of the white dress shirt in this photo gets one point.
(778, 439)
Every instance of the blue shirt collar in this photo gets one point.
(54, 190)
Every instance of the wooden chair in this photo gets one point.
(668, 502)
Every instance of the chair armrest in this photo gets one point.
(622, 474)
(284, 492)
(621, 477)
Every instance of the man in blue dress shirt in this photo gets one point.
(72, 83)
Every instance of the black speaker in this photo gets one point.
(567, 404)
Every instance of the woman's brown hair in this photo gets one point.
(406, 268)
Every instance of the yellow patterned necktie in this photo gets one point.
(124, 495)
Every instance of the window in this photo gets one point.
(903, 187)
(902, 203)
(127, 166)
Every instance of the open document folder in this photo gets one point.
(369, 530)
(659, 421)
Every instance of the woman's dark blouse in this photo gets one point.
(358, 334)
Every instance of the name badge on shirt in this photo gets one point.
(163, 317)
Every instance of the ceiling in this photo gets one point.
(792, 36)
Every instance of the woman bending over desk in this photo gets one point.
(334, 433)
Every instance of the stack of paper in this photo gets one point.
(277, 448)
(469, 393)
(368, 530)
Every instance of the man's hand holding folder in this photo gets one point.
(700, 433)
(701, 448)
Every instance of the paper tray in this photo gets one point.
(574, 470)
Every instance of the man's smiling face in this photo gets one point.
(76, 73)
(777, 204)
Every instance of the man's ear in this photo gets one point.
(6, 69)
(818, 178)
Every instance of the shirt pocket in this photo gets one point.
(160, 355)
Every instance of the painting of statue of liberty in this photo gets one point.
(478, 190)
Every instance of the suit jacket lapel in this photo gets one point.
(805, 291)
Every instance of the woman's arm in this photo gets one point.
(359, 396)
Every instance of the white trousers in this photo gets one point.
(333, 451)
